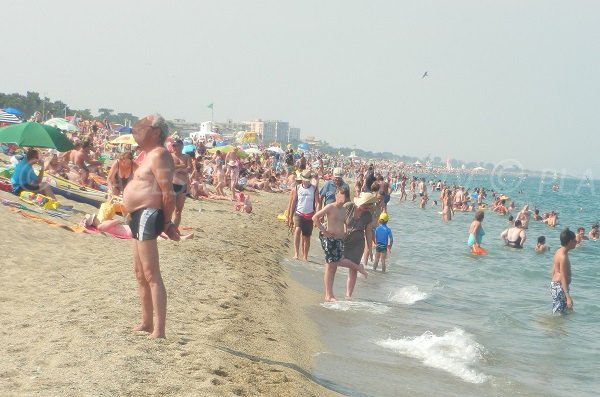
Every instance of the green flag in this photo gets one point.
(210, 105)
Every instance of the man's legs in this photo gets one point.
(305, 246)
(383, 258)
(328, 277)
(147, 254)
(297, 236)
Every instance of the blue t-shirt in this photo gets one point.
(22, 175)
(382, 233)
(328, 191)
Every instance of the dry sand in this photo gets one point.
(235, 320)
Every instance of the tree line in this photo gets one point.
(32, 102)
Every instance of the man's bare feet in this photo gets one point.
(348, 298)
(143, 328)
(295, 256)
(330, 299)
(361, 270)
(156, 335)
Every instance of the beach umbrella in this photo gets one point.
(35, 135)
(276, 149)
(8, 118)
(62, 124)
(188, 149)
(14, 111)
(252, 150)
(125, 139)
(125, 129)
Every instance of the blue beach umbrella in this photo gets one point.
(14, 111)
(188, 149)
(125, 129)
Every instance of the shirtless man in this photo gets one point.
(181, 178)
(149, 199)
(331, 222)
(561, 274)
(80, 158)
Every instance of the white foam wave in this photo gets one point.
(345, 306)
(408, 295)
(454, 352)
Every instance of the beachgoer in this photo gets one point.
(383, 238)
(24, 177)
(359, 217)
(150, 201)
(580, 235)
(476, 232)
(446, 200)
(561, 274)
(181, 178)
(541, 245)
(302, 207)
(593, 235)
(329, 188)
(331, 222)
(121, 173)
(514, 236)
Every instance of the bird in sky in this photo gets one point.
(425, 75)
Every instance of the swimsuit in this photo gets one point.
(179, 188)
(559, 299)
(516, 243)
(333, 248)
(472, 240)
(381, 248)
(147, 223)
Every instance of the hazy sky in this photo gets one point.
(509, 80)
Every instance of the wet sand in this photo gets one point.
(235, 322)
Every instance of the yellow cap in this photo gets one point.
(384, 217)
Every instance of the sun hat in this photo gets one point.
(338, 172)
(365, 198)
(384, 217)
(306, 175)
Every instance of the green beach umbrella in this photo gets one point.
(35, 135)
(62, 124)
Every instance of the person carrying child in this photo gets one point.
(382, 235)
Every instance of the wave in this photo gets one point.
(408, 295)
(454, 352)
(345, 306)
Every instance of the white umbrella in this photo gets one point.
(252, 150)
(62, 124)
(8, 118)
(276, 149)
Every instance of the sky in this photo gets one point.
(508, 81)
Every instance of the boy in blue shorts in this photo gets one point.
(382, 235)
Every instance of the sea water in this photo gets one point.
(443, 322)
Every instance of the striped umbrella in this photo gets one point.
(8, 118)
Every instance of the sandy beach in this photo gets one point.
(235, 320)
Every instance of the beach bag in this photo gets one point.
(39, 199)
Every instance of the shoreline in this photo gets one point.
(236, 320)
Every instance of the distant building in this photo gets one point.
(275, 131)
(294, 134)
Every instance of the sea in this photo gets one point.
(441, 322)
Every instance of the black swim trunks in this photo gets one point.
(147, 223)
(179, 188)
(333, 248)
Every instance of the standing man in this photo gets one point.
(303, 204)
(561, 274)
(181, 178)
(328, 190)
(149, 199)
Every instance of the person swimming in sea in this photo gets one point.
(476, 233)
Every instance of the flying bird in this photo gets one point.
(425, 75)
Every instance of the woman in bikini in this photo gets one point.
(120, 174)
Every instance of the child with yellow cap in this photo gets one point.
(382, 236)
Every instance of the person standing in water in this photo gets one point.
(561, 273)
(476, 233)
